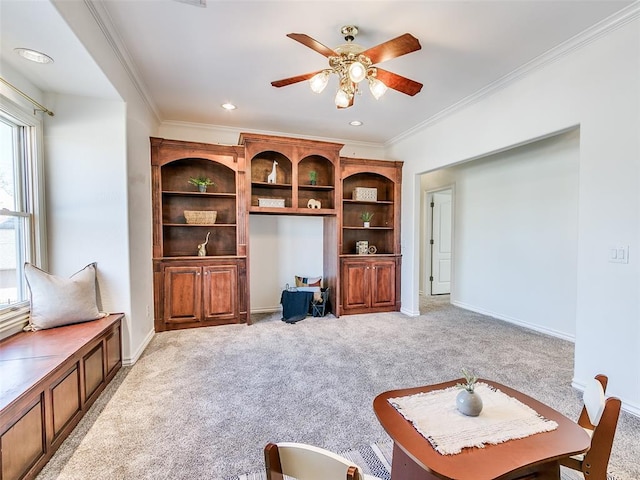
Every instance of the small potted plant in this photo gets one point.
(366, 218)
(313, 177)
(468, 401)
(201, 182)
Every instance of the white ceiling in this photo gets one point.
(189, 59)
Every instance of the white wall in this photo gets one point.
(132, 183)
(86, 195)
(281, 248)
(597, 88)
(516, 234)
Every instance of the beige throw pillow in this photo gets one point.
(57, 301)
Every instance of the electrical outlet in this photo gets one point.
(619, 254)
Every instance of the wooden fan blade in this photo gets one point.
(307, 41)
(291, 80)
(398, 82)
(396, 47)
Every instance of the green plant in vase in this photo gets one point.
(313, 177)
(366, 218)
(201, 182)
(470, 381)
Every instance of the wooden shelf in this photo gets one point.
(199, 194)
(208, 225)
(368, 255)
(321, 212)
(368, 228)
(198, 291)
(324, 188)
(192, 290)
(367, 202)
(208, 257)
(370, 283)
(271, 185)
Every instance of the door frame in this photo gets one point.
(427, 229)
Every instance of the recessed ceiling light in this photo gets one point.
(355, 123)
(195, 3)
(228, 106)
(33, 55)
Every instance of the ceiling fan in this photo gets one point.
(353, 64)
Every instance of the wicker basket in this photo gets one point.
(200, 217)
(365, 194)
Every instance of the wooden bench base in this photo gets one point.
(49, 379)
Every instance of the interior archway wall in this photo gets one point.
(594, 87)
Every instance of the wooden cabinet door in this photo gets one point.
(383, 283)
(220, 292)
(182, 294)
(355, 285)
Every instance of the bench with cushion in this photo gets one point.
(48, 380)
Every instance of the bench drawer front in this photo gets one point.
(23, 443)
(114, 356)
(93, 371)
(65, 399)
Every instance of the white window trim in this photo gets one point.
(15, 318)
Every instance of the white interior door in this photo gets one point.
(441, 205)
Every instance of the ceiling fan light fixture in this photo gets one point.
(352, 64)
(378, 89)
(342, 99)
(319, 81)
(357, 72)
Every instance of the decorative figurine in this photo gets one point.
(202, 248)
(272, 176)
(313, 203)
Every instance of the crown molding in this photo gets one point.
(578, 41)
(110, 32)
(238, 130)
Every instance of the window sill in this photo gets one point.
(13, 321)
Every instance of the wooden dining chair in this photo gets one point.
(599, 417)
(306, 462)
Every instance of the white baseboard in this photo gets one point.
(267, 309)
(628, 407)
(631, 408)
(410, 313)
(129, 361)
(516, 321)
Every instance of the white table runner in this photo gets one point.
(435, 416)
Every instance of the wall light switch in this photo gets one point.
(619, 254)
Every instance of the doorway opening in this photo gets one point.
(437, 242)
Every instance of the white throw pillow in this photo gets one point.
(57, 301)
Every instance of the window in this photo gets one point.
(21, 210)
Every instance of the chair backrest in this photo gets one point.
(603, 422)
(306, 462)
(593, 399)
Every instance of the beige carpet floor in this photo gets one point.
(202, 403)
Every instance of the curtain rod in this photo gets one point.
(39, 106)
